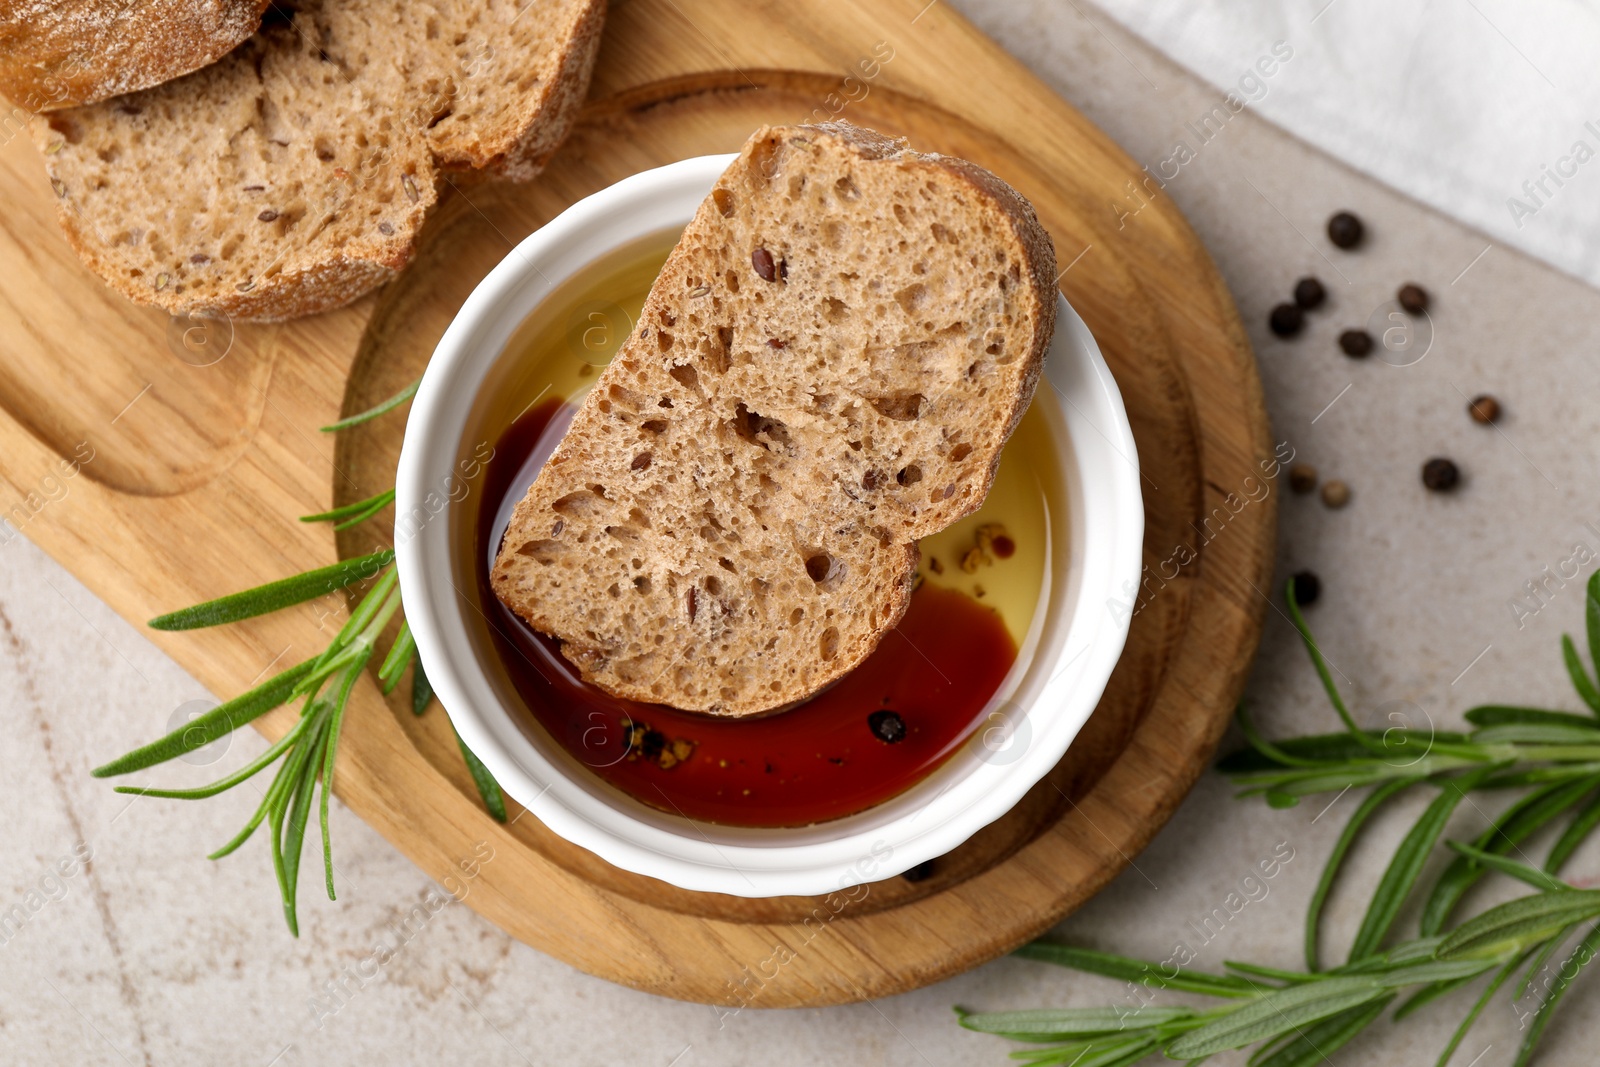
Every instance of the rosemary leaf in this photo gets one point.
(488, 788)
(1515, 779)
(1539, 960)
(1295, 784)
(249, 828)
(345, 511)
(1050, 1056)
(1279, 1011)
(1406, 866)
(1273, 974)
(1312, 1046)
(1575, 834)
(1538, 733)
(1591, 621)
(1580, 957)
(1317, 748)
(299, 815)
(1420, 948)
(1522, 872)
(249, 770)
(1055, 1056)
(275, 595)
(1119, 1055)
(400, 655)
(1361, 736)
(1266, 748)
(207, 727)
(373, 412)
(1132, 970)
(1514, 926)
(421, 688)
(1503, 715)
(1432, 971)
(1064, 1024)
(1267, 1049)
(1117, 1051)
(1580, 677)
(291, 778)
(285, 786)
(330, 753)
(1319, 897)
(378, 504)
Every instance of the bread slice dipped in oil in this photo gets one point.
(826, 370)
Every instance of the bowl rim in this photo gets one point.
(1105, 549)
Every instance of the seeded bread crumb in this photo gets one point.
(293, 175)
(826, 369)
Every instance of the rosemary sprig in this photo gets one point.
(309, 749)
(1296, 1018)
(306, 754)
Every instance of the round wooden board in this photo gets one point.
(1170, 334)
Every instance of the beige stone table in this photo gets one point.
(155, 955)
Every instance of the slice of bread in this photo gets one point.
(61, 53)
(292, 176)
(825, 370)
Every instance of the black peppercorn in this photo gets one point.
(1286, 320)
(652, 744)
(1413, 297)
(1302, 477)
(1309, 293)
(1440, 475)
(887, 726)
(1484, 409)
(1345, 230)
(1355, 343)
(1307, 587)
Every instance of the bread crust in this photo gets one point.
(64, 53)
(721, 529)
(521, 152)
(307, 232)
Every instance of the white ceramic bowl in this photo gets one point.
(1092, 569)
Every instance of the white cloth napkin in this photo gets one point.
(1488, 110)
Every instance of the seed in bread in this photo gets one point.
(292, 176)
(825, 370)
(62, 53)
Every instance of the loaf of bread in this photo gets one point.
(825, 370)
(61, 53)
(292, 176)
